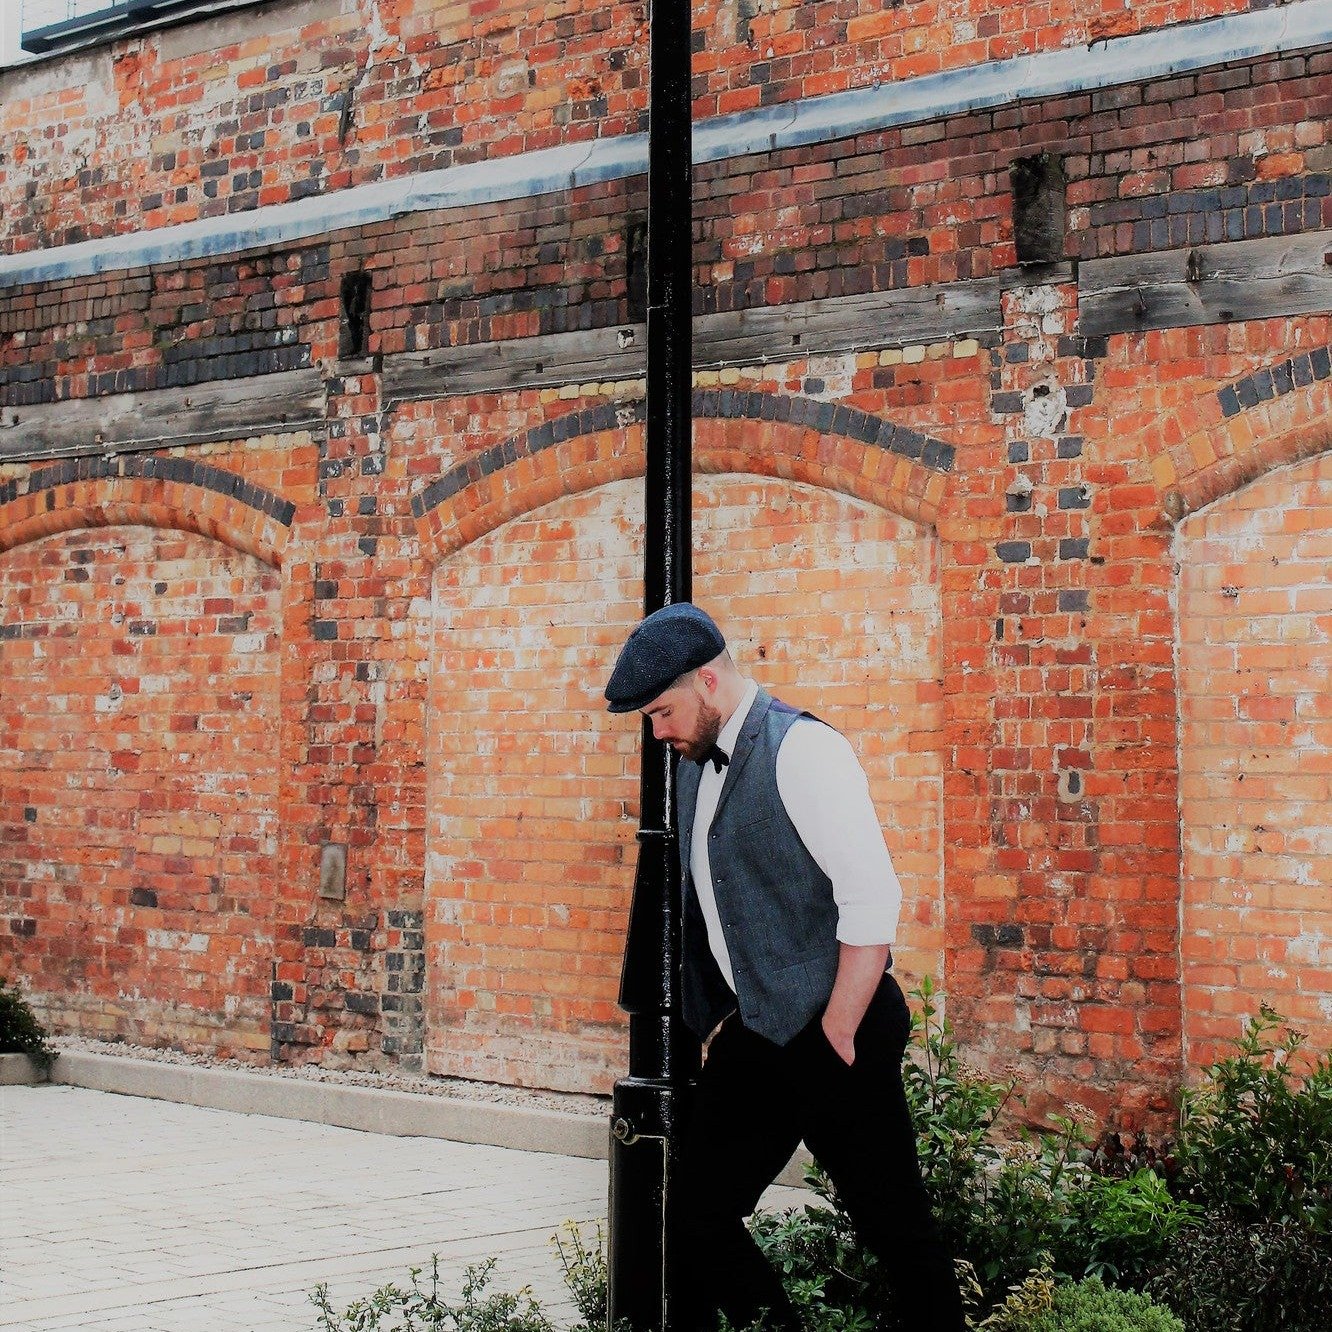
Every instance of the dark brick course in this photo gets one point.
(826, 417)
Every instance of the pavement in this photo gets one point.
(125, 1214)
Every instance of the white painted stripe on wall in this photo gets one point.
(1303, 25)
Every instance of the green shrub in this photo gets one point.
(834, 1283)
(1004, 1206)
(1255, 1156)
(417, 1309)
(1123, 1227)
(585, 1274)
(1084, 1306)
(1226, 1275)
(1031, 1297)
(20, 1032)
(1256, 1137)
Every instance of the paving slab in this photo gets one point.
(120, 1212)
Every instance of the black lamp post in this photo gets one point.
(663, 1054)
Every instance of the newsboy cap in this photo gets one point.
(670, 642)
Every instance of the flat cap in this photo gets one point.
(670, 642)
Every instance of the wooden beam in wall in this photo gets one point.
(202, 413)
(1239, 280)
(593, 355)
(742, 337)
(1267, 278)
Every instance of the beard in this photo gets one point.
(706, 731)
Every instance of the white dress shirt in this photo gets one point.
(826, 796)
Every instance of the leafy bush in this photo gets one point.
(1031, 1297)
(1255, 1154)
(835, 1284)
(1123, 1227)
(1256, 1137)
(416, 1309)
(1040, 1305)
(585, 1275)
(20, 1032)
(954, 1110)
(1258, 1276)
(1005, 1207)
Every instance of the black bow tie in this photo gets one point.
(720, 758)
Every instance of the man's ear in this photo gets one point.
(709, 678)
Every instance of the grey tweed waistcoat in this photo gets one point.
(776, 905)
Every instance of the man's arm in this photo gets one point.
(826, 795)
(827, 798)
(860, 968)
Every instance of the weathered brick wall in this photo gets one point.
(138, 782)
(1213, 156)
(1256, 756)
(141, 330)
(291, 100)
(963, 551)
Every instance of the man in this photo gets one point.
(790, 912)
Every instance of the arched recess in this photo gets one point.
(1255, 663)
(139, 701)
(532, 787)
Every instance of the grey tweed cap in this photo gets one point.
(662, 648)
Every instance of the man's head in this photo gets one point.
(675, 669)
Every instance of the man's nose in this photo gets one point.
(658, 729)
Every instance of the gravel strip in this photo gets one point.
(458, 1088)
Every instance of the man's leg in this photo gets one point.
(857, 1125)
(741, 1132)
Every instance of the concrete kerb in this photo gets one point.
(18, 1070)
(367, 1109)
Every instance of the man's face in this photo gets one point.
(685, 718)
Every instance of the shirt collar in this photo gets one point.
(730, 733)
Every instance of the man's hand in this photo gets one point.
(859, 971)
(842, 1040)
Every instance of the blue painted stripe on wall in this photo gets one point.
(1302, 25)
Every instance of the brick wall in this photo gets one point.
(138, 782)
(962, 552)
(284, 103)
(143, 330)
(1255, 611)
(1208, 157)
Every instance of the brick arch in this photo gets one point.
(147, 492)
(822, 444)
(1267, 419)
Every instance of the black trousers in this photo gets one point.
(755, 1102)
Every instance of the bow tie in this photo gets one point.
(719, 757)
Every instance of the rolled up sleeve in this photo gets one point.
(826, 795)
